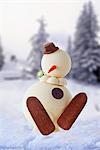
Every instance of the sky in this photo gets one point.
(18, 22)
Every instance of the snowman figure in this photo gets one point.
(48, 104)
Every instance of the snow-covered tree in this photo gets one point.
(69, 45)
(1, 56)
(86, 52)
(69, 49)
(37, 41)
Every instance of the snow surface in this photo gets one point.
(16, 133)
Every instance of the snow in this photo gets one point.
(10, 70)
(16, 133)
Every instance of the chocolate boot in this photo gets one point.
(72, 111)
(40, 116)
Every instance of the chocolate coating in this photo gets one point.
(72, 111)
(40, 116)
(50, 48)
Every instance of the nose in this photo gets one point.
(52, 68)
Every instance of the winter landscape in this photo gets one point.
(16, 133)
(20, 67)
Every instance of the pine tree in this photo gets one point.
(36, 53)
(1, 56)
(69, 45)
(69, 50)
(86, 52)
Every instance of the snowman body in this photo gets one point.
(54, 99)
(48, 104)
(51, 90)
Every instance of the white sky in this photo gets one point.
(18, 21)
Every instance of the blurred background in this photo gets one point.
(74, 26)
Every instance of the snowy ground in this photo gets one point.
(15, 132)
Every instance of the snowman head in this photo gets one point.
(55, 62)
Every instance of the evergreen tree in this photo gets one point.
(69, 49)
(69, 45)
(86, 52)
(1, 56)
(36, 53)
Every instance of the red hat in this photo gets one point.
(50, 48)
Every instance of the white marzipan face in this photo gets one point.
(60, 59)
